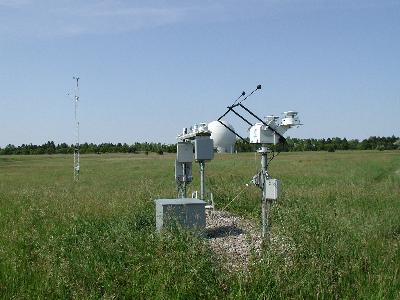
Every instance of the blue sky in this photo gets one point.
(150, 68)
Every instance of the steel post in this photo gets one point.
(264, 202)
(202, 181)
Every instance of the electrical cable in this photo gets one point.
(246, 186)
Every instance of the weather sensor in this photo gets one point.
(270, 131)
(265, 132)
(194, 143)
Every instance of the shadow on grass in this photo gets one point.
(223, 231)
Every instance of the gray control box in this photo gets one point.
(187, 212)
(184, 152)
(204, 148)
(272, 189)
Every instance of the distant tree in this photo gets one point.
(345, 144)
(397, 144)
(243, 146)
(331, 148)
(9, 149)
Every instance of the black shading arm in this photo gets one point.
(229, 109)
(227, 127)
(240, 116)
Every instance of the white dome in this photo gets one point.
(224, 140)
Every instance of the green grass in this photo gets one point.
(339, 212)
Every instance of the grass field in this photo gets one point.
(339, 213)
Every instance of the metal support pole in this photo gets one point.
(265, 203)
(74, 162)
(184, 181)
(202, 183)
(77, 145)
(78, 166)
(264, 216)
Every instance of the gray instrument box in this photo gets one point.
(204, 148)
(184, 152)
(272, 189)
(187, 212)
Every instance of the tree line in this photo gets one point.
(292, 144)
(330, 144)
(63, 148)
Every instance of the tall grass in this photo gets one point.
(338, 221)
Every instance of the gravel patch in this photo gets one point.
(236, 241)
(233, 239)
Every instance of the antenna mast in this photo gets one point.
(76, 146)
